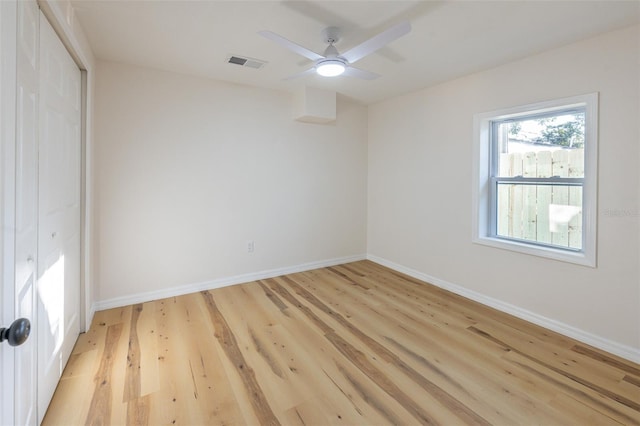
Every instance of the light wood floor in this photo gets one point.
(356, 344)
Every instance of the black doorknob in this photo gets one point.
(17, 332)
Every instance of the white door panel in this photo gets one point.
(26, 219)
(8, 112)
(58, 295)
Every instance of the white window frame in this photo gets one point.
(482, 220)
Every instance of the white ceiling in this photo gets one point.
(449, 38)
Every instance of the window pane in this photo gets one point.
(541, 146)
(545, 214)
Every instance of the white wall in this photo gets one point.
(419, 202)
(188, 170)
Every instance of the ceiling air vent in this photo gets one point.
(245, 61)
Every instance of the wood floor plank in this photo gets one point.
(313, 363)
(74, 405)
(258, 346)
(100, 410)
(606, 381)
(227, 340)
(361, 362)
(195, 386)
(353, 344)
(415, 350)
(148, 344)
(591, 399)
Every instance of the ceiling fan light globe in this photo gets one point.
(330, 68)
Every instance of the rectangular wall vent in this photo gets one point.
(246, 61)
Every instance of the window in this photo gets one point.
(535, 179)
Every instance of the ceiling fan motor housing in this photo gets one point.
(331, 35)
(331, 52)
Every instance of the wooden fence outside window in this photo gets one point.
(549, 214)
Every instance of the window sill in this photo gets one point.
(578, 258)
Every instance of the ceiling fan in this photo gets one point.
(331, 63)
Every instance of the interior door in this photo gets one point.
(26, 207)
(58, 294)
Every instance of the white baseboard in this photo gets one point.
(143, 297)
(626, 352)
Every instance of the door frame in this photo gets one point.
(61, 16)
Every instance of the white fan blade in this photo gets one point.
(301, 74)
(291, 45)
(358, 73)
(376, 42)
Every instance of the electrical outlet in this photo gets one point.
(250, 246)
